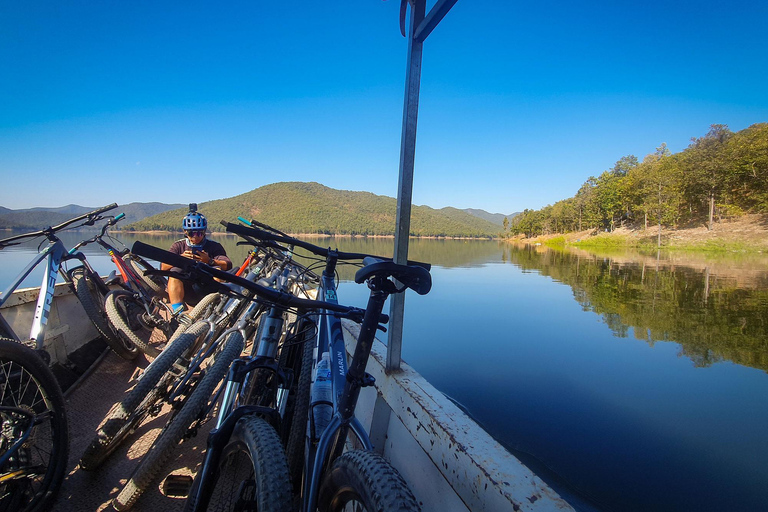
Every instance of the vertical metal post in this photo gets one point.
(405, 179)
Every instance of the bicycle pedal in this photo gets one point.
(177, 485)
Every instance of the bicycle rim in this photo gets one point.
(32, 475)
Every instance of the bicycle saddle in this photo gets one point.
(414, 277)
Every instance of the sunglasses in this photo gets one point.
(196, 232)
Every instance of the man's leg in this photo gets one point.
(176, 293)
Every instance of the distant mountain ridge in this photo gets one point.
(41, 217)
(496, 218)
(299, 207)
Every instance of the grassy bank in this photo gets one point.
(745, 234)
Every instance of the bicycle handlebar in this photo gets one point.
(320, 251)
(207, 272)
(91, 216)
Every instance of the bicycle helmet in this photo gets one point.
(194, 220)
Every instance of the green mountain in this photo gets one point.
(496, 218)
(39, 218)
(297, 207)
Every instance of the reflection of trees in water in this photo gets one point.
(442, 253)
(708, 315)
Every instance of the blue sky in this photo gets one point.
(188, 101)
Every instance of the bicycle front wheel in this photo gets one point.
(252, 474)
(154, 461)
(32, 475)
(92, 300)
(129, 317)
(129, 413)
(364, 481)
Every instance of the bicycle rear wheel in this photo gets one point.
(92, 300)
(32, 475)
(252, 473)
(364, 481)
(129, 317)
(154, 461)
(155, 283)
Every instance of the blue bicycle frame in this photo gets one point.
(55, 253)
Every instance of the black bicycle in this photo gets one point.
(111, 317)
(330, 478)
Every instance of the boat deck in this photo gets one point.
(87, 405)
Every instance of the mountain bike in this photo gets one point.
(34, 444)
(93, 292)
(357, 478)
(171, 376)
(198, 402)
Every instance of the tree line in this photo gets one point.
(720, 175)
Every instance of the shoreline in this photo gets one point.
(313, 235)
(748, 233)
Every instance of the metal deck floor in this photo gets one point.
(87, 405)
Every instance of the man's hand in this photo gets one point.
(197, 256)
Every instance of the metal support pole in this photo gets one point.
(405, 179)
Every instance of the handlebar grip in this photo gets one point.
(244, 221)
(118, 217)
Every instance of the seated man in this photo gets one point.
(197, 247)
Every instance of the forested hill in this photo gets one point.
(296, 207)
(722, 174)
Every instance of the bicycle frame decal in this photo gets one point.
(44, 300)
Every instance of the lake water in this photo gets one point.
(626, 381)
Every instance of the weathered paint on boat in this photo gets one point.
(449, 461)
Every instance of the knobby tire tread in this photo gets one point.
(132, 409)
(121, 324)
(258, 441)
(154, 460)
(365, 477)
(156, 284)
(93, 303)
(13, 352)
(294, 439)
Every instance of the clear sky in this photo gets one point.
(189, 101)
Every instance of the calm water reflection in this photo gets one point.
(640, 384)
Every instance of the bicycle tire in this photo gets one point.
(128, 414)
(252, 474)
(154, 460)
(297, 414)
(157, 284)
(124, 310)
(27, 381)
(202, 310)
(367, 480)
(92, 300)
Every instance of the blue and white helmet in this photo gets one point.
(194, 220)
